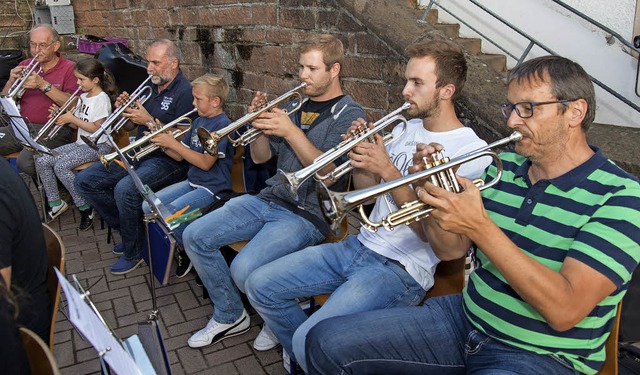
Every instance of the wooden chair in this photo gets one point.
(55, 252)
(40, 358)
(610, 366)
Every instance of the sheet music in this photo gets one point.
(20, 128)
(87, 322)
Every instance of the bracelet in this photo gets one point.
(46, 88)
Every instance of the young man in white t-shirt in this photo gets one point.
(382, 269)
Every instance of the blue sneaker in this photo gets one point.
(118, 249)
(123, 266)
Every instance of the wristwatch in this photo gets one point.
(46, 88)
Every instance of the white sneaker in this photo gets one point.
(214, 332)
(266, 340)
(56, 211)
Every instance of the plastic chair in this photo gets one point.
(55, 253)
(40, 358)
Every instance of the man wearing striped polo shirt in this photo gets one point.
(557, 238)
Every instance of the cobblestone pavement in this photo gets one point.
(126, 300)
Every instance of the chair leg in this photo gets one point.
(108, 234)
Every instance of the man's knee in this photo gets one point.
(195, 233)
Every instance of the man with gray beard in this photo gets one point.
(112, 192)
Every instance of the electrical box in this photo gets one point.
(42, 3)
(59, 16)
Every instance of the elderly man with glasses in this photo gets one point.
(52, 85)
(557, 241)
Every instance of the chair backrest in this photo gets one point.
(448, 278)
(40, 358)
(55, 252)
(121, 138)
(610, 366)
(237, 175)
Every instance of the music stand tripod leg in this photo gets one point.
(148, 218)
(40, 187)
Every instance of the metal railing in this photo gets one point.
(533, 42)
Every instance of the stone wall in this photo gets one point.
(254, 44)
(15, 18)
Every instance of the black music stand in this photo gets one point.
(159, 216)
(139, 354)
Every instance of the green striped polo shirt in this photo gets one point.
(591, 214)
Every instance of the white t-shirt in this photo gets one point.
(93, 109)
(402, 244)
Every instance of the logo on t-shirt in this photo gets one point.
(307, 119)
(166, 101)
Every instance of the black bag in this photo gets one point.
(628, 360)
(128, 69)
(9, 59)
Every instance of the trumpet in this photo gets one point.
(107, 127)
(335, 206)
(50, 129)
(210, 140)
(17, 88)
(294, 179)
(137, 150)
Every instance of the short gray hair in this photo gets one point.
(173, 52)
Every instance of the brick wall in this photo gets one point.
(15, 18)
(253, 43)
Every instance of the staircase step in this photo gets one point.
(432, 16)
(472, 45)
(497, 62)
(450, 29)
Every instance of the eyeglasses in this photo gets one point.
(40, 46)
(525, 109)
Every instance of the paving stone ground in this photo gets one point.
(126, 300)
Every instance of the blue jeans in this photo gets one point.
(273, 232)
(435, 338)
(178, 196)
(357, 278)
(118, 201)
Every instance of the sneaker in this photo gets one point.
(118, 249)
(266, 340)
(56, 211)
(215, 332)
(86, 219)
(183, 264)
(122, 266)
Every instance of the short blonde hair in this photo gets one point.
(330, 46)
(214, 84)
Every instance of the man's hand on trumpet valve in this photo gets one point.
(122, 99)
(277, 123)
(424, 155)
(16, 73)
(258, 101)
(461, 213)
(370, 154)
(137, 114)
